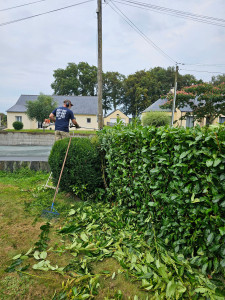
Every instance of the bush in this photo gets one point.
(82, 171)
(175, 179)
(156, 118)
(17, 125)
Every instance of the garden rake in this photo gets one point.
(52, 212)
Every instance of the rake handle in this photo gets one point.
(56, 191)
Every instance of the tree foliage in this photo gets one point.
(133, 93)
(3, 119)
(205, 100)
(77, 80)
(218, 79)
(145, 87)
(40, 109)
(113, 90)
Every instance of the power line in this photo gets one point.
(202, 71)
(157, 48)
(48, 12)
(203, 65)
(129, 22)
(21, 5)
(174, 12)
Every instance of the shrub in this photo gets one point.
(17, 125)
(174, 178)
(82, 171)
(156, 118)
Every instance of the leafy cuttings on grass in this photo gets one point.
(94, 232)
(42, 244)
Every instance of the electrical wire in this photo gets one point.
(202, 71)
(148, 40)
(173, 12)
(157, 48)
(25, 4)
(203, 65)
(41, 14)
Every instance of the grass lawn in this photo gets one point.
(22, 200)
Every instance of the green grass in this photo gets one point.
(22, 200)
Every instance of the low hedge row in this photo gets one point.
(175, 178)
(82, 170)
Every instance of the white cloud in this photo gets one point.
(31, 50)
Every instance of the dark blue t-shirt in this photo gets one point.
(63, 116)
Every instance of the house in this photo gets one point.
(111, 118)
(180, 112)
(85, 109)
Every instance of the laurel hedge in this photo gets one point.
(175, 179)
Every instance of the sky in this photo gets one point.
(33, 48)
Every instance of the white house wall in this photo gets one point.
(82, 121)
(111, 118)
(27, 124)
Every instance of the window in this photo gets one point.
(190, 121)
(40, 125)
(19, 118)
(221, 120)
(88, 120)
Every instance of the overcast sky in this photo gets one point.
(32, 49)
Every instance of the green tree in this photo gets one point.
(113, 90)
(66, 81)
(75, 80)
(87, 76)
(205, 100)
(218, 79)
(145, 87)
(3, 119)
(40, 109)
(141, 90)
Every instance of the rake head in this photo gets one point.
(50, 213)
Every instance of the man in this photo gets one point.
(61, 116)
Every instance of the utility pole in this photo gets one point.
(100, 111)
(174, 97)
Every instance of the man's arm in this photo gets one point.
(52, 117)
(75, 123)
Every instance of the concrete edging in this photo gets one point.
(12, 166)
(27, 138)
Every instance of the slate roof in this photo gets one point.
(82, 105)
(156, 106)
(187, 108)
